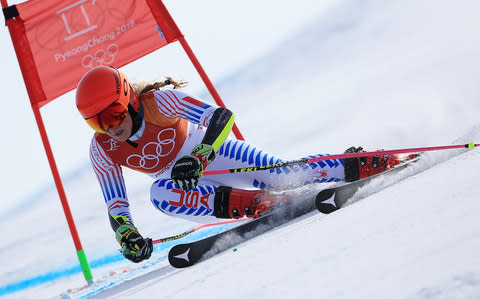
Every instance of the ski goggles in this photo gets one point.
(110, 117)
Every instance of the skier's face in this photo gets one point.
(123, 130)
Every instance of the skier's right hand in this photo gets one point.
(134, 246)
(189, 168)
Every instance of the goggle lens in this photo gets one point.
(112, 116)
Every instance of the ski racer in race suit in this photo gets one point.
(172, 137)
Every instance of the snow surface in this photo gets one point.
(381, 74)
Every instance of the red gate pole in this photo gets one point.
(35, 92)
(87, 273)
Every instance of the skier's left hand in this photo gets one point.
(134, 246)
(189, 168)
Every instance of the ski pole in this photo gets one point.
(196, 228)
(340, 156)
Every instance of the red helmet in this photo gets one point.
(104, 96)
(102, 86)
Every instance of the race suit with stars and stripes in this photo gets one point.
(174, 123)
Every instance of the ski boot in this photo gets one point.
(237, 203)
(359, 168)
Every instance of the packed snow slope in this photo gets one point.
(419, 238)
(381, 74)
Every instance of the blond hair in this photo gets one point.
(143, 86)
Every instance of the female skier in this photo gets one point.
(173, 137)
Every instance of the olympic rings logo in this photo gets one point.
(101, 57)
(153, 151)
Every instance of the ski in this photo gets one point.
(188, 254)
(326, 201)
(332, 199)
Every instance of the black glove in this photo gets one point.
(189, 168)
(134, 246)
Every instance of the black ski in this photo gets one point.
(185, 255)
(327, 201)
(332, 199)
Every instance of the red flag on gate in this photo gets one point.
(66, 38)
(57, 41)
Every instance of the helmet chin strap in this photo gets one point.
(137, 119)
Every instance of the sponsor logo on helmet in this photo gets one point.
(117, 83)
(125, 87)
